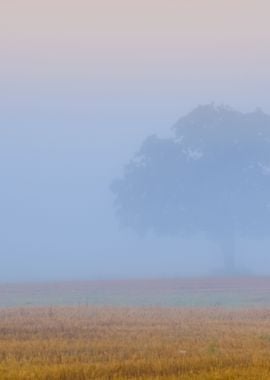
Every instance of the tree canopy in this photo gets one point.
(212, 176)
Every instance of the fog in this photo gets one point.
(57, 214)
(77, 102)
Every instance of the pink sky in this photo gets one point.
(202, 49)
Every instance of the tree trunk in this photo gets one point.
(227, 244)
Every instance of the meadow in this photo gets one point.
(134, 343)
(89, 341)
(180, 292)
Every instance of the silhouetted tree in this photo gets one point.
(212, 176)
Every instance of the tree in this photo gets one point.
(212, 176)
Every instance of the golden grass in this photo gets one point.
(80, 343)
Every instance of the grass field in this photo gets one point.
(134, 343)
(192, 292)
(229, 340)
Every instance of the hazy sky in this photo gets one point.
(99, 54)
(81, 84)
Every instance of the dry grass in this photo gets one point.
(134, 343)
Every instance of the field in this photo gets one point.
(190, 292)
(134, 343)
(140, 341)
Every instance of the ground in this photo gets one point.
(189, 292)
(141, 341)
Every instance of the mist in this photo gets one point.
(77, 100)
(57, 211)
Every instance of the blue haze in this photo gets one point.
(57, 159)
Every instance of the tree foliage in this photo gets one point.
(212, 176)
